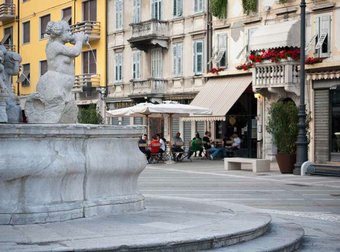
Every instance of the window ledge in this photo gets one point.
(285, 11)
(321, 6)
(253, 19)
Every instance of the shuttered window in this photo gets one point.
(156, 9)
(198, 6)
(26, 32)
(156, 63)
(119, 14)
(43, 24)
(136, 66)
(323, 36)
(177, 8)
(119, 67)
(90, 10)
(136, 11)
(221, 57)
(198, 57)
(177, 59)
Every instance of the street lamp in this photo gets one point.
(301, 143)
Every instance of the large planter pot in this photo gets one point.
(286, 162)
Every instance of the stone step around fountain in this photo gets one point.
(144, 231)
(283, 237)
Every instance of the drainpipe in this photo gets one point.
(18, 42)
(209, 35)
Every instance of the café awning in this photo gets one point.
(219, 95)
(285, 34)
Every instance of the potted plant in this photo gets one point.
(283, 125)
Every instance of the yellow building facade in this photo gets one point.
(22, 28)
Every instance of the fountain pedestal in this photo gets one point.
(57, 172)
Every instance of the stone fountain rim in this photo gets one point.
(77, 130)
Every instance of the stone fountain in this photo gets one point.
(53, 169)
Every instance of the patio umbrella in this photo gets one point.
(169, 108)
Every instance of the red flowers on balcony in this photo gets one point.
(246, 66)
(215, 70)
(312, 60)
(275, 55)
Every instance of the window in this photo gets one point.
(335, 119)
(198, 6)
(26, 32)
(322, 35)
(43, 24)
(119, 67)
(25, 76)
(177, 59)
(7, 40)
(221, 57)
(156, 9)
(156, 63)
(178, 8)
(136, 11)
(89, 62)
(198, 57)
(136, 65)
(89, 68)
(90, 10)
(119, 14)
(67, 15)
(43, 67)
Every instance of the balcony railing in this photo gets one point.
(277, 75)
(150, 33)
(150, 86)
(90, 28)
(84, 81)
(7, 12)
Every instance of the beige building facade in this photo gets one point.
(174, 50)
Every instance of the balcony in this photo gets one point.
(148, 87)
(277, 76)
(149, 34)
(90, 28)
(84, 82)
(7, 12)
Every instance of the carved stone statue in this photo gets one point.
(54, 102)
(9, 66)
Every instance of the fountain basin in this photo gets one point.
(57, 172)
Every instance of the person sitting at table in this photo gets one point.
(155, 146)
(196, 145)
(142, 144)
(236, 144)
(177, 150)
(162, 144)
(206, 143)
(220, 151)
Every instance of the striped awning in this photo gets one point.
(285, 34)
(219, 95)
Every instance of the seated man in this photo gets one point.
(236, 145)
(177, 150)
(218, 151)
(207, 143)
(196, 145)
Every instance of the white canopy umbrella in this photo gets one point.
(169, 108)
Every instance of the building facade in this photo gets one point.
(23, 24)
(156, 52)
